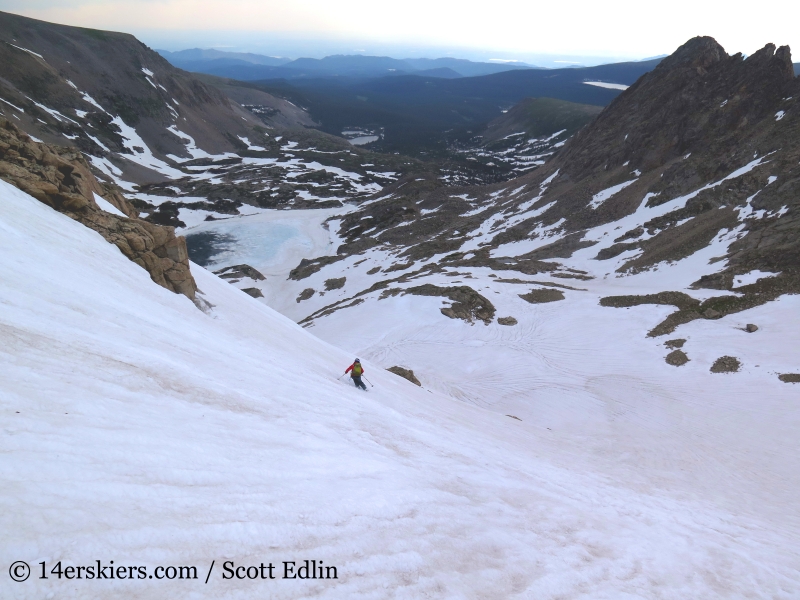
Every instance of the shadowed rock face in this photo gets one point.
(60, 178)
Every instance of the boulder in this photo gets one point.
(750, 328)
(507, 321)
(405, 374)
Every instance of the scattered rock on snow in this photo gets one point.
(726, 364)
(540, 296)
(676, 343)
(507, 321)
(254, 292)
(750, 328)
(405, 374)
(677, 358)
(789, 377)
(305, 294)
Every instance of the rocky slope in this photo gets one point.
(178, 145)
(61, 179)
(81, 87)
(517, 142)
(704, 149)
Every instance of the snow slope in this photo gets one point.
(139, 429)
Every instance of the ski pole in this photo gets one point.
(340, 376)
(368, 381)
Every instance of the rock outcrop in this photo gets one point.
(405, 374)
(467, 304)
(61, 179)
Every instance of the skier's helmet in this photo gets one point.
(358, 361)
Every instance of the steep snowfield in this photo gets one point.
(139, 429)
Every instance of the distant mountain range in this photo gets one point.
(252, 67)
(418, 112)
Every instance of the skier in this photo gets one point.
(357, 372)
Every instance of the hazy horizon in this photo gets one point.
(306, 47)
(532, 32)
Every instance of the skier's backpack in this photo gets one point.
(357, 370)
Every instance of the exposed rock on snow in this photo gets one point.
(467, 304)
(334, 284)
(677, 358)
(254, 292)
(307, 267)
(751, 328)
(726, 364)
(507, 321)
(542, 295)
(789, 377)
(239, 272)
(690, 308)
(306, 294)
(405, 374)
(677, 343)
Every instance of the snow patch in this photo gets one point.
(609, 86)
(751, 277)
(107, 206)
(26, 50)
(14, 106)
(604, 195)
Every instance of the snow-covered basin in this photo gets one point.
(138, 429)
(272, 241)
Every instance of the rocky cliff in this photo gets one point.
(60, 178)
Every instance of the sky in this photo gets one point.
(508, 29)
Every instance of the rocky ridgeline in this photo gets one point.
(683, 129)
(60, 178)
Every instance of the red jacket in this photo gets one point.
(351, 367)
